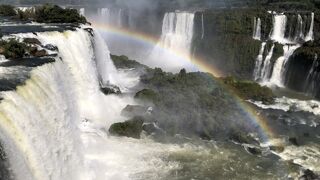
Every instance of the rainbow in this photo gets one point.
(254, 117)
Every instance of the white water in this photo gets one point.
(259, 61)
(277, 77)
(265, 71)
(273, 73)
(310, 36)
(82, 11)
(279, 28)
(110, 16)
(40, 121)
(257, 29)
(173, 52)
(287, 104)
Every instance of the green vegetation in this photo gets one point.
(125, 63)
(44, 14)
(7, 10)
(55, 14)
(12, 49)
(250, 90)
(147, 95)
(131, 128)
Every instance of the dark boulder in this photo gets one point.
(134, 110)
(32, 41)
(293, 141)
(309, 175)
(253, 150)
(110, 89)
(131, 128)
(51, 47)
(38, 53)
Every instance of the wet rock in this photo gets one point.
(152, 128)
(131, 128)
(90, 31)
(38, 53)
(278, 149)
(293, 141)
(32, 41)
(242, 138)
(309, 175)
(51, 47)
(253, 150)
(134, 110)
(111, 89)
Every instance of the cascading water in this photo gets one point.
(272, 73)
(111, 16)
(311, 85)
(202, 26)
(177, 34)
(39, 121)
(279, 66)
(257, 29)
(259, 62)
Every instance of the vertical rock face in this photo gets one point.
(270, 47)
(224, 39)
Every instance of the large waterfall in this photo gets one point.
(40, 121)
(176, 39)
(267, 70)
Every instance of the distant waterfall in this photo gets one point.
(257, 29)
(202, 26)
(111, 16)
(311, 85)
(279, 66)
(267, 71)
(176, 38)
(39, 123)
(82, 11)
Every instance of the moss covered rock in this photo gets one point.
(249, 90)
(131, 128)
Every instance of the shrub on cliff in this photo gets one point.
(12, 49)
(55, 14)
(7, 10)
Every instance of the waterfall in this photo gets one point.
(279, 28)
(257, 29)
(176, 38)
(202, 26)
(272, 73)
(311, 85)
(309, 36)
(265, 71)
(82, 11)
(39, 122)
(106, 69)
(277, 77)
(259, 61)
(111, 16)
